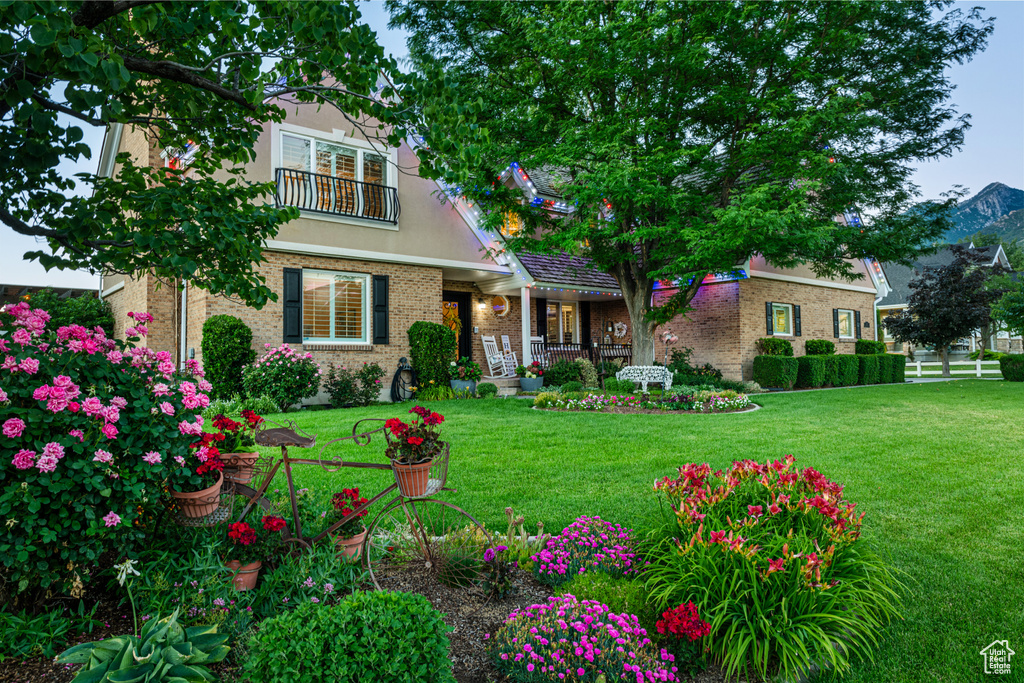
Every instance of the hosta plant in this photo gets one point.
(163, 652)
(773, 559)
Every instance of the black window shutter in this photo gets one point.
(835, 323)
(585, 324)
(292, 300)
(856, 323)
(380, 309)
(768, 316)
(542, 318)
(796, 320)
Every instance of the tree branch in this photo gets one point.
(54, 106)
(174, 72)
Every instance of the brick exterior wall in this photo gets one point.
(729, 317)
(160, 300)
(484, 319)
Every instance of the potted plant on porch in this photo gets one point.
(464, 374)
(237, 442)
(247, 548)
(350, 535)
(531, 377)
(412, 449)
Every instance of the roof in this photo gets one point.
(565, 269)
(900, 276)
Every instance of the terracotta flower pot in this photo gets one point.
(245, 575)
(238, 466)
(350, 547)
(412, 479)
(196, 504)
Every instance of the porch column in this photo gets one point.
(524, 308)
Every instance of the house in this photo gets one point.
(899, 278)
(374, 250)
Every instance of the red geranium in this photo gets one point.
(242, 533)
(684, 622)
(344, 504)
(417, 442)
(271, 523)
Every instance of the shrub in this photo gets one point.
(819, 347)
(432, 348)
(86, 310)
(284, 375)
(831, 370)
(92, 428)
(811, 371)
(588, 373)
(572, 640)
(774, 560)
(560, 372)
(1012, 367)
(227, 349)
(340, 384)
(572, 387)
(627, 386)
(465, 370)
(487, 389)
(262, 405)
(899, 368)
(775, 371)
(885, 368)
(773, 346)
(868, 373)
(370, 378)
(547, 399)
(849, 370)
(375, 636)
(989, 355)
(750, 388)
(868, 347)
(588, 544)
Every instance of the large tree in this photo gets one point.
(948, 303)
(691, 135)
(207, 76)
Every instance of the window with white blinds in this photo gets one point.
(335, 306)
(331, 159)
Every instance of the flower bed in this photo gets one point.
(701, 402)
(588, 544)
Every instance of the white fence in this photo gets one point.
(978, 368)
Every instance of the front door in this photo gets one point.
(455, 314)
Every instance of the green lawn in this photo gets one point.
(938, 469)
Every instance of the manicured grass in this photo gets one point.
(937, 468)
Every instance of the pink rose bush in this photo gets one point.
(772, 554)
(574, 640)
(588, 544)
(89, 428)
(285, 375)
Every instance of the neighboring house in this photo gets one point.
(374, 250)
(899, 278)
(12, 294)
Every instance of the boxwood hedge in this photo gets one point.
(777, 372)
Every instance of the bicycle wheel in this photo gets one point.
(433, 548)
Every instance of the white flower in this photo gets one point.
(124, 569)
(453, 364)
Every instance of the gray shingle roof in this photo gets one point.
(899, 276)
(565, 269)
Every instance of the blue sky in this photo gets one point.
(991, 89)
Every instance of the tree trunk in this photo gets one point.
(944, 352)
(637, 290)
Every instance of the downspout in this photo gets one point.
(184, 322)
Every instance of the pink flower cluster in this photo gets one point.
(572, 640)
(284, 355)
(588, 544)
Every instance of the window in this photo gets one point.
(846, 324)
(561, 322)
(334, 306)
(782, 319)
(326, 177)
(511, 224)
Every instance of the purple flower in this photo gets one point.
(112, 519)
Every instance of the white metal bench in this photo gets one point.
(646, 373)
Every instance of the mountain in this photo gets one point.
(996, 203)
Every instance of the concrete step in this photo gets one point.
(507, 386)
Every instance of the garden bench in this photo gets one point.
(646, 373)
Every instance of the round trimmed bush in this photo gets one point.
(1012, 367)
(227, 349)
(374, 636)
(283, 374)
(869, 347)
(773, 346)
(819, 347)
(487, 389)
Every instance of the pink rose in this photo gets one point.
(53, 450)
(115, 357)
(13, 427)
(120, 402)
(167, 409)
(21, 336)
(190, 401)
(161, 389)
(3, 396)
(41, 393)
(152, 457)
(78, 434)
(109, 431)
(112, 414)
(92, 406)
(30, 366)
(102, 456)
(46, 463)
(166, 368)
(112, 519)
(24, 459)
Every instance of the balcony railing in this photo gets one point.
(548, 353)
(333, 196)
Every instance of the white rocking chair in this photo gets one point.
(511, 362)
(497, 363)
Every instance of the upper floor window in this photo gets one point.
(325, 177)
(335, 306)
(511, 224)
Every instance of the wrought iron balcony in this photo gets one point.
(337, 196)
